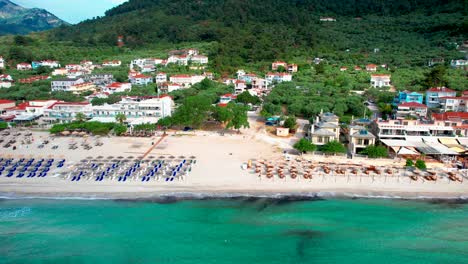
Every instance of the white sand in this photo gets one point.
(217, 172)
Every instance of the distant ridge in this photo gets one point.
(15, 19)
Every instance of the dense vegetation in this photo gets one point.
(248, 31)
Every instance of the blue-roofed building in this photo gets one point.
(408, 97)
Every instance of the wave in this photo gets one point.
(180, 196)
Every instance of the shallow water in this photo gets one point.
(233, 231)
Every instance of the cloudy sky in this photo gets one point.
(72, 11)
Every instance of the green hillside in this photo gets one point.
(248, 31)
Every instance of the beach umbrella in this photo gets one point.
(110, 157)
(162, 157)
(171, 157)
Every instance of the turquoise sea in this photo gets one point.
(243, 230)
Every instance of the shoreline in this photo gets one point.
(217, 173)
(234, 194)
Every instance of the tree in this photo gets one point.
(165, 122)
(80, 117)
(436, 77)
(420, 164)
(320, 68)
(120, 129)
(247, 98)
(333, 147)
(120, 118)
(304, 145)
(409, 163)
(3, 125)
(223, 114)
(239, 117)
(290, 123)
(193, 112)
(375, 152)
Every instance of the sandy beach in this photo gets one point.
(218, 171)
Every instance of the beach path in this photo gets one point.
(154, 146)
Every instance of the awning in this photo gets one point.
(396, 143)
(453, 144)
(448, 141)
(442, 149)
(463, 141)
(406, 151)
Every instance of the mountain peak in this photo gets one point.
(15, 19)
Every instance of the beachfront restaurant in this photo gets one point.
(418, 146)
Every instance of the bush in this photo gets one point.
(120, 129)
(375, 152)
(409, 163)
(333, 147)
(290, 123)
(420, 164)
(3, 125)
(304, 145)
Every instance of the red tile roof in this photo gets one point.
(380, 75)
(441, 89)
(3, 101)
(455, 97)
(451, 116)
(412, 104)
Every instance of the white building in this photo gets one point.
(161, 77)
(117, 88)
(138, 110)
(240, 87)
(50, 63)
(24, 66)
(65, 84)
(141, 79)
(199, 59)
(31, 110)
(112, 63)
(459, 63)
(73, 67)
(412, 109)
(183, 79)
(380, 80)
(6, 84)
(454, 103)
(60, 71)
(178, 59)
(168, 87)
(6, 77)
(65, 112)
(328, 19)
(2, 63)
(278, 77)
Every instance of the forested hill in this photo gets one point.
(253, 30)
(15, 19)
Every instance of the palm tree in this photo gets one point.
(80, 117)
(120, 118)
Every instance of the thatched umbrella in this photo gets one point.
(162, 157)
(120, 157)
(110, 157)
(171, 157)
